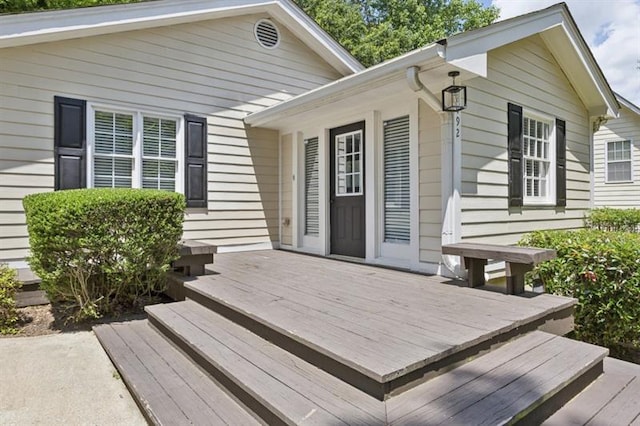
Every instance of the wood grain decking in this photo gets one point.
(285, 339)
(613, 399)
(381, 323)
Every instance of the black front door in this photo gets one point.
(347, 190)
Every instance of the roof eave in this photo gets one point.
(628, 104)
(39, 27)
(377, 74)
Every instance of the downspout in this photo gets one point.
(451, 178)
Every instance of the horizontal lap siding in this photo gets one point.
(524, 73)
(430, 184)
(213, 68)
(622, 195)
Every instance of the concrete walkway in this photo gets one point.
(62, 379)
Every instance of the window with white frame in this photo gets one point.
(311, 187)
(397, 184)
(134, 150)
(538, 158)
(619, 161)
(349, 163)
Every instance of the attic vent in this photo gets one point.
(267, 34)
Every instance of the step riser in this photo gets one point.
(228, 383)
(381, 391)
(543, 411)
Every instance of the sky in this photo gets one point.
(611, 28)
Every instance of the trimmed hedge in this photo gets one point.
(102, 248)
(602, 270)
(9, 284)
(607, 219)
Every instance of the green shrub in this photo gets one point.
(103, 248)
(602, 270)
(607, 219)
(9, 284)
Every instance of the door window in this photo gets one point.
(349, 163)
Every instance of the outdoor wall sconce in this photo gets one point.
(454, 98)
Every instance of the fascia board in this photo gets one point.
(628, 104)
(501, 33)
(547, 21)
(378, 74)
(39, 27)
(307, 30)
(590, 64)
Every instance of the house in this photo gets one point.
(278, 138)
(617, 159)
(82, 89)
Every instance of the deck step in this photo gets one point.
(526, 379)
(382, 345)
(169, 389)
(278, 386)
(613, 399)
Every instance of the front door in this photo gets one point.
(347, 190)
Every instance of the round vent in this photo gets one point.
(267, 34)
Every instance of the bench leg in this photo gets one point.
(194, 270)
(475, 271)
(515, 277)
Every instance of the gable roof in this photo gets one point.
(468, 52)
(38, 27)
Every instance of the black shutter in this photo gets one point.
(70, 143)
(195, 161)
(514, 119)
(561, 163)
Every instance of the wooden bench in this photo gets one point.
(519, 260)
(193, 256)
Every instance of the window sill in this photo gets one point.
(618, 182)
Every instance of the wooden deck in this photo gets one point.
(387, 326)
(283, 339)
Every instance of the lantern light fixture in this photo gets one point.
(454, 97)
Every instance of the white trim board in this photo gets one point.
(466, 52)
(39, 27)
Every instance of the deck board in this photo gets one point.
(296, 390)
(613, 399)
(499, 386)
(170, 389)
(382, 323)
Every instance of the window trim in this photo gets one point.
(606, 162)
(550, 199)
(360, 172)
(138, 114)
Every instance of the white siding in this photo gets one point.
(622, 195)
(212, 68)
(524, 73)
(430, 149)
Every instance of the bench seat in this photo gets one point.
(519, 261)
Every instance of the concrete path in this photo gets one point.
(62, 379)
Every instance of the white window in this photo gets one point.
(619, 161)
(311, 187)
(131, 149)
(349, 163)
(539, 159)
(397, 185)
